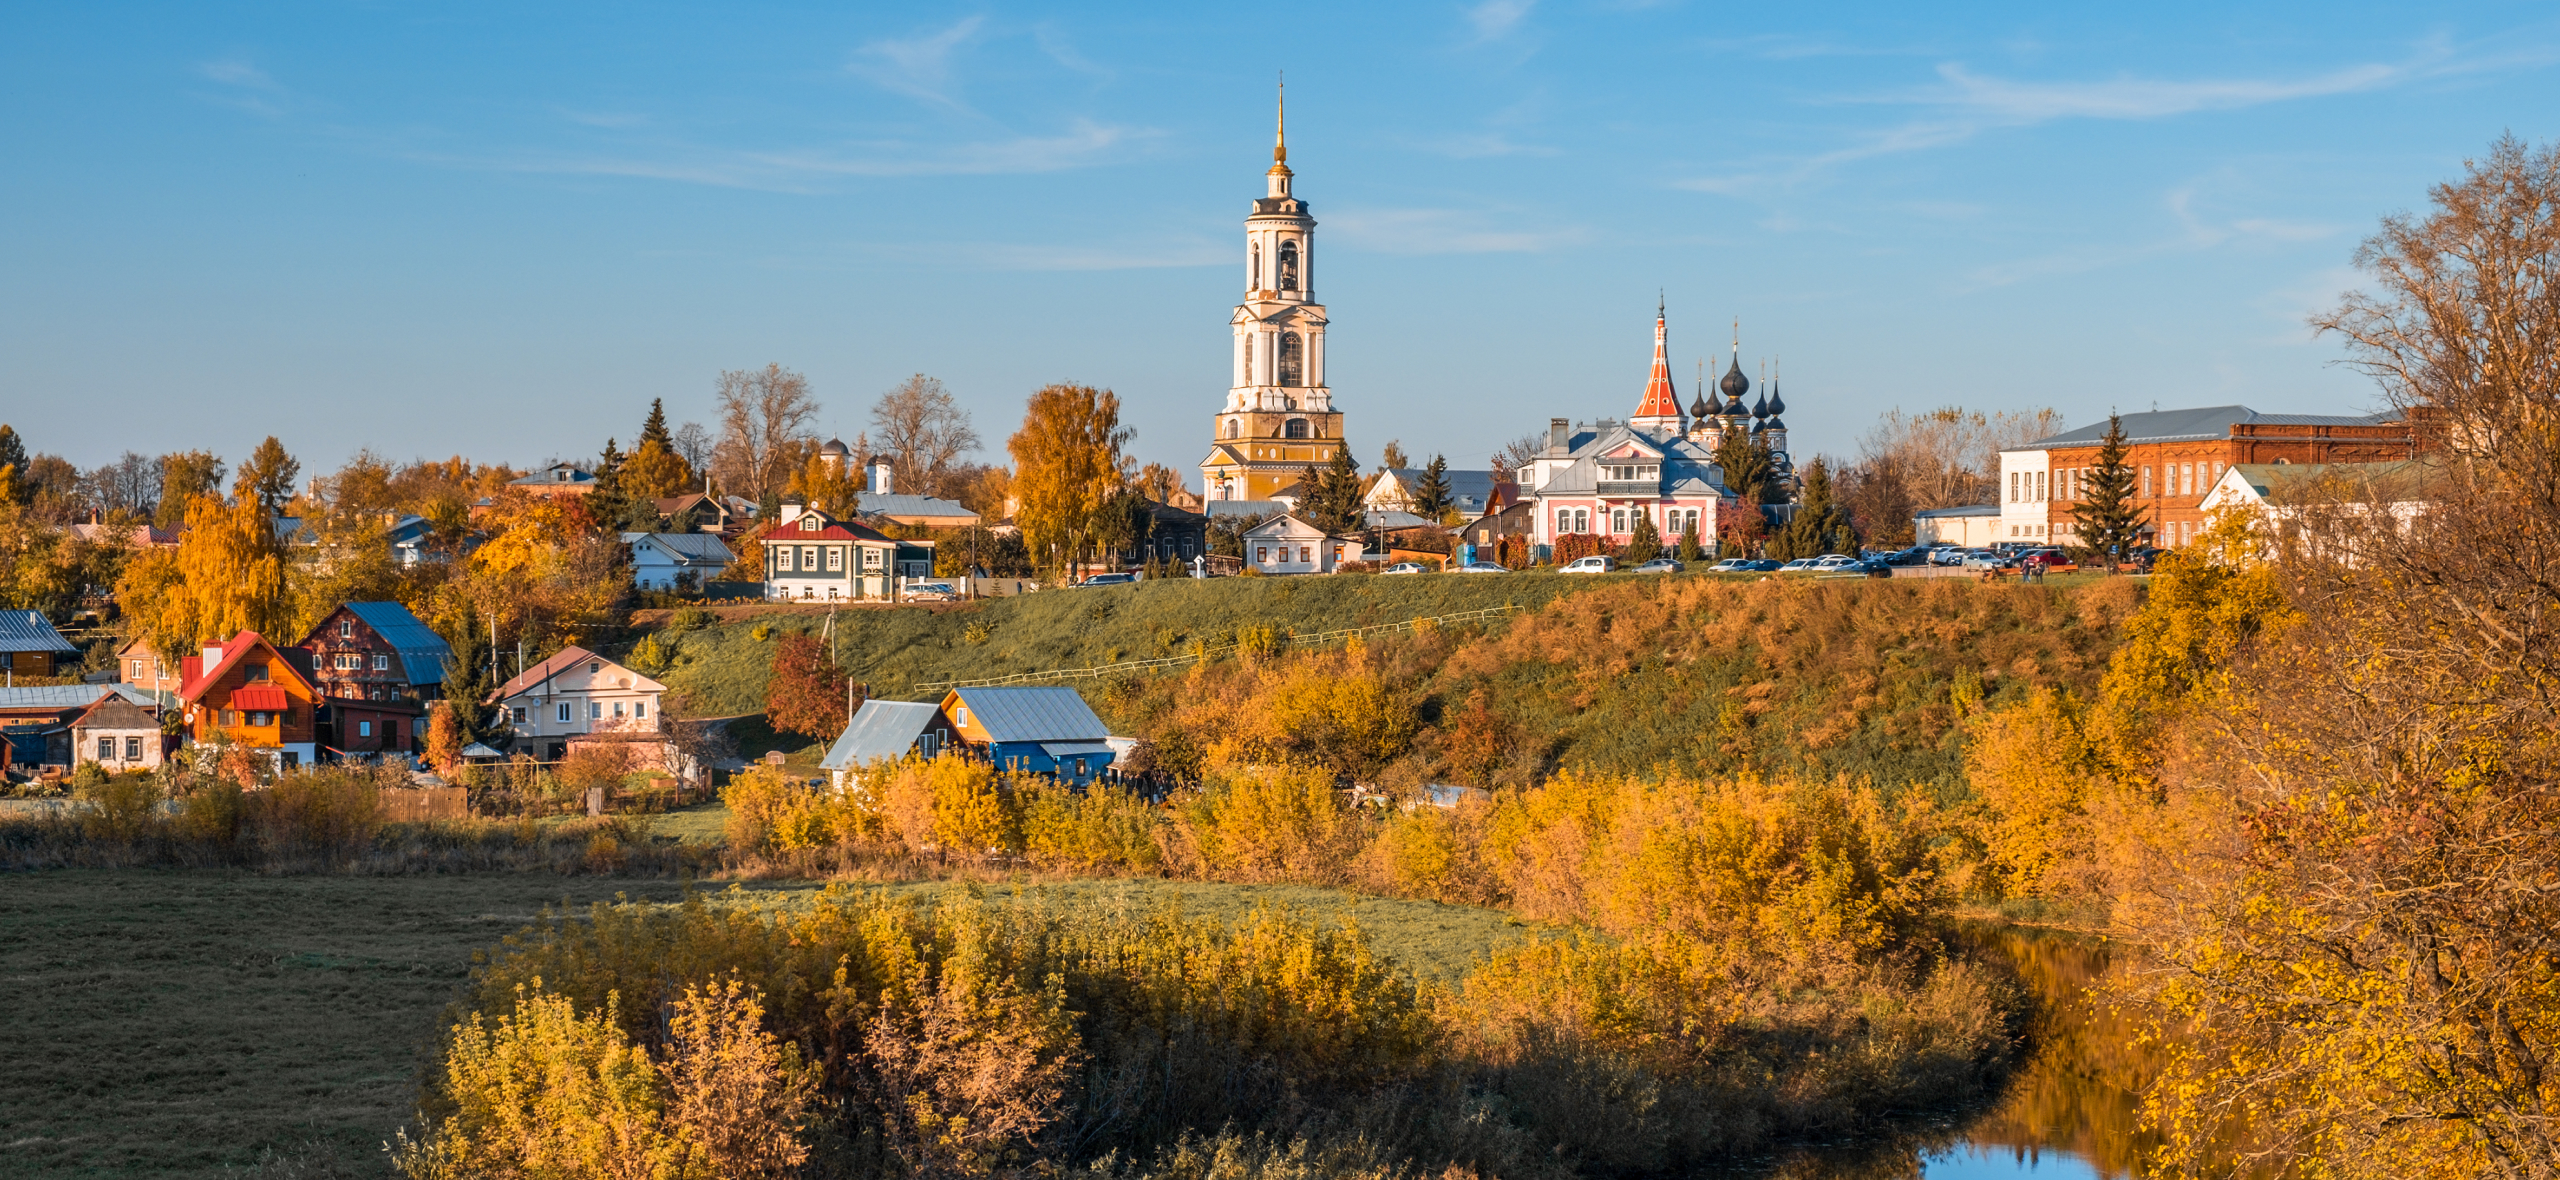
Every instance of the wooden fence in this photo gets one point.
(1318, 639)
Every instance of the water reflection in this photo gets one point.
(2072, 1112)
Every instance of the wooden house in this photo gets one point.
(255, 694)
(1045, 730)
(119, 735)
(575, 693)
(31, 647)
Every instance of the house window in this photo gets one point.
(782, 560)
(1307, 553)
(137, 671)
(809, 524)
(1618, 520)
(617, 708)
(1234, 428)
(346, 628)
(809, 559)
(639, 708)
(1292, 364)
(835, 558)
(1261, 555)
(261, 720)
(381, 662)
(961, 715)
(564, 712)
(516, 715)
(133, 749)
(595, 710)
(230, 717)
(106, 749)
(253, 672)
(871, 558)
(364, 729)
(595, 667)
(1288, 266)
(2146, 480)
(1297, 428)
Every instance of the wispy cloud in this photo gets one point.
(1482, 145)
(1964, 103)
(808, 170)
(919, 67)
(1054, 43)
(1492, 20)
(1443, 231)
(244, 86)
(2194, 232)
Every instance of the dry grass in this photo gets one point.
(189, 1023)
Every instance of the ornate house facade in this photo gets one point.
(1600, 479)
(1279, 417)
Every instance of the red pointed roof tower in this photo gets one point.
(1660, 410)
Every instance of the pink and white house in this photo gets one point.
(1600, 479)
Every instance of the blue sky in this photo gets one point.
(500, 230)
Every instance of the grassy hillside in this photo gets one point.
(203, 1023)
(722, 669)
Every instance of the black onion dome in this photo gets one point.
(1698, 407)
(1734, 383)
(1760, 407)
(1777, 404)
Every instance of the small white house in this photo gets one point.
(575, 693)
(1285, 544)
(662, 561)
(1972, 526)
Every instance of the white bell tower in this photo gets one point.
(1279, 328)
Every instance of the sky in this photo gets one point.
(500, 230)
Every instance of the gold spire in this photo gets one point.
(1280, 136)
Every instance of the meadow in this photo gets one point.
(204, 1023)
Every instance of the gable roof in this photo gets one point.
(686, 548)
(880, 729)
(26, 630)
(2398, 479)
(560, 662)
(1043, 714)
(552, 477)
(1279, 526)
(114, 711)
(192, 686)
(834, 530)
(1244, 507)
(1958, 510)
(422, 652)
(1468, 490)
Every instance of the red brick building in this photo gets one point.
(2176, 456)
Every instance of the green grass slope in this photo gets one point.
(723, 669)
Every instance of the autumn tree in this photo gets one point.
(831, 487)
(1067, 463)
(13, 466)
(921, 430)
(226, 576)
(2108, 519)
(806, 694)
(185, 475)
(2358, 936)
(1393, 458)
(765, 432)
(267, 476)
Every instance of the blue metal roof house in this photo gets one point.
(885, 731)
(1032, 730)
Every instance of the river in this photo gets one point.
(2072, 1111)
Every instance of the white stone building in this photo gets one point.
(575, 693)
(1285, 544)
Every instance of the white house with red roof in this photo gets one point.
(573, 694)
(811, 556)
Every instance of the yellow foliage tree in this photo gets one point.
(832, 488)
(654, 472)
(227, 575)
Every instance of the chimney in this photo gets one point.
(1559, 435)
(881, 481)
(790, 511)
(212, 656)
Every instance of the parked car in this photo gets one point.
(1483, 567)
(1915, 555)
(933, 592)
(1948, 555)
(1833, 561)
(1661, 565)
(1730, 565)
(1761, 565)
(1873, 567)
(1109, 580)
(1985, 559)
(2055, 560)
(1406, 567)
(1799, 565)
(1594, 564)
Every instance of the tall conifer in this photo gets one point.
(2108, 517)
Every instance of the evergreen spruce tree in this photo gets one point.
(1690, 552)
(654, 430)
(1645, 543)
(606, 504)
(2109, 517)
(468, 684)
(1332, 500)
(1748, 467)
(1821, 523)
(1432, 498)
